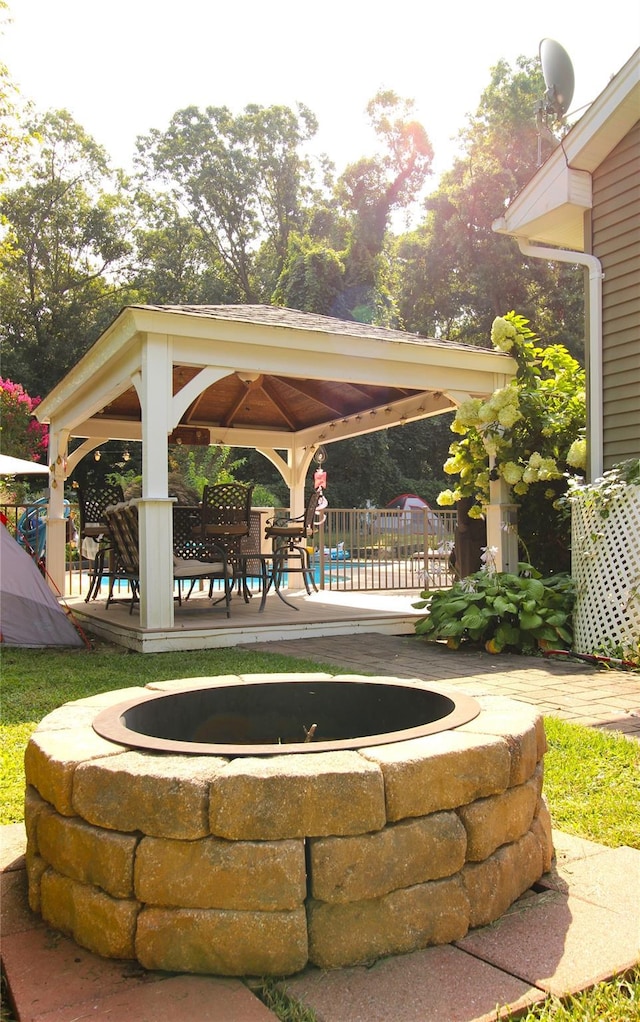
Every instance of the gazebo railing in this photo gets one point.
(358, 549)
(354, 549)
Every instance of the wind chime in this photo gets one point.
(320, 483)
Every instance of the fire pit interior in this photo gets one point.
(186, 826)
(284, 716)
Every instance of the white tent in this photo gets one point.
(30, 615)
(18, 467)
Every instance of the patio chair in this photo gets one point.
(189, 546)
(226, 519)
(95, 541)
(290, 538)
(212, 563)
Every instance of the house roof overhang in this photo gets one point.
(550, 208)
(261, 376)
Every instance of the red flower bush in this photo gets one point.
(22, 435)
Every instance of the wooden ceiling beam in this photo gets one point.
(309, 388)
(269, 390)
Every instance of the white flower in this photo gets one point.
(577, 454)
(488, 559)
(445, 498)
(503, 334)
(511, 472)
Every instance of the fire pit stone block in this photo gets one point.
(433, 913)
(51, 758)
(403, 854)
(223, 942)
(103, 924)
(267, 799)
(158, 794)
(441, 771)
(268, 876)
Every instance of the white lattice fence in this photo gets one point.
(606, 570)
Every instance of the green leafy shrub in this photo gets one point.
(499, 610)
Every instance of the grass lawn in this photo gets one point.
(592, 778)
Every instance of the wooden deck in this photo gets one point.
(200, 625)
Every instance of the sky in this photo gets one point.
(123, 67)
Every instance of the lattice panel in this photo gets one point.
(606, 570)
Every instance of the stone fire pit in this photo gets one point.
(245, 863)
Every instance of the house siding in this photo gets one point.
(615, 240)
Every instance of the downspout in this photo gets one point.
(595, 405)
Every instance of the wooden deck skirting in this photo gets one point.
(199, 625)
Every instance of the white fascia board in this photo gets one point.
(609, 118)
(255, 346)
(358, 360)
(70, 404)
(115, 339)
(552, 211)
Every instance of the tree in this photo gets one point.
(340, 266)
(360, 471)
(456, 274)
(62, 276)
(419, 450)
(12, 139)
(371, 190)
(533, 431)
(173, 264)
(312, 278)
(241, 180)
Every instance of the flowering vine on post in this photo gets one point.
(530, 431)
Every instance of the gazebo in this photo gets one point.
(280, 381)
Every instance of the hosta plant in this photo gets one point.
(501, 611)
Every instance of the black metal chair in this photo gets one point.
(290, 538)
(226, 519)
(94, 532)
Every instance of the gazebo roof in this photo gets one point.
(254, 375)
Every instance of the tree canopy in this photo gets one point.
(241, 179)
(63, 269)
(457, 274)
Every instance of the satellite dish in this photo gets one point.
(558, 77)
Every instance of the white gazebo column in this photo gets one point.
(155, 509)
(56, 527)
(502, 526)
